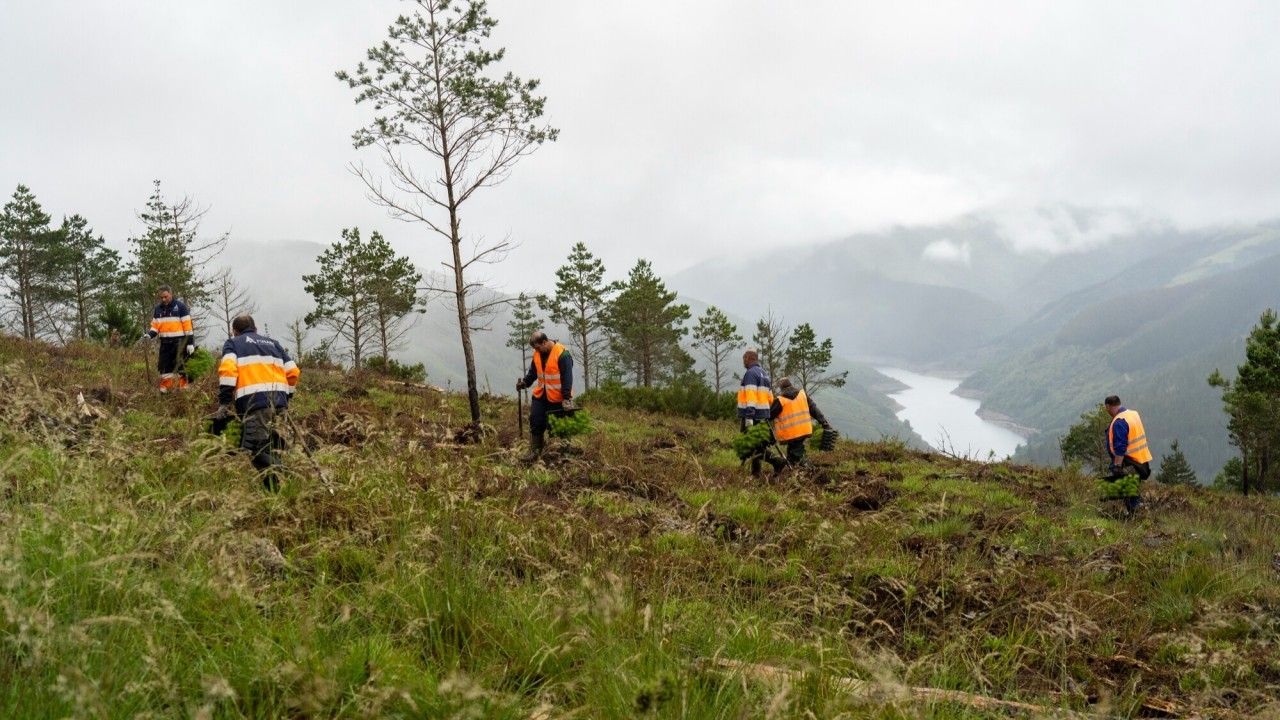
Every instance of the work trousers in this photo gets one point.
(796, 449)
(539, 411)
(167, 363)
(260, 437)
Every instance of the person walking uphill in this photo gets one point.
(551, 377)
(755, 396)
(1128, 446)
(171, 321)
(793, 414)
(256, 376)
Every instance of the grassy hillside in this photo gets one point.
(639, 574)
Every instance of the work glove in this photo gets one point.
(145, 337)
(191, 349)
(224, 412)
(745, 423)
(520, 384)
(568, 404)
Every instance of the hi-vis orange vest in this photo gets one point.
(549, 377)
(1137, 447)
(794, 421)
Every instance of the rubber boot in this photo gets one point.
(536, 444)
(778, 464)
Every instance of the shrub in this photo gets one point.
(681, 397)
(319, 357)
(392, 368)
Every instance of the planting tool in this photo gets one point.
(146, 364)
(520, 407)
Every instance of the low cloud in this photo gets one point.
(1059, 230)
(948, 252)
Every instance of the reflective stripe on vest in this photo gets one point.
(754, 397)
(794, 421)
(1137, 446)
(549, 377)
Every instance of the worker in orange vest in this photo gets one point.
(1127, 444)
(551, 377)
(793, 415)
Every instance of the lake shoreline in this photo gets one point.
(934, 409)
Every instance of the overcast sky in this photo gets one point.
(689, 130)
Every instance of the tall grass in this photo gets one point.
(144, 574)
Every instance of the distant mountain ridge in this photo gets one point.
(1147, 311)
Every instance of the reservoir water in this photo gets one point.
(947, 421)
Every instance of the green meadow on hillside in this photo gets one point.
(638, 573)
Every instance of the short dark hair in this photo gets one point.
(538, 337)
(243, 324)
(1112, 401)
(165, 288)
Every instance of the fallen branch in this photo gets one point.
(306, 451)
(871, 690)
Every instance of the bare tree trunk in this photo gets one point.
(586, 363)
(82, 306)
(464, 328)
(1244, 473)
(24, 301)
(382, 334)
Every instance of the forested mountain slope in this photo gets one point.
(1154, 346)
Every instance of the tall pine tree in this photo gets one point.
(1252, 404)
(1086, 441)
(806, 360)
(770, 339)
(717, 338)
(523, 324)
(645, 325)
(395, 295)
(92, 275)
(363, 292)
(580, 303)
(1174, 468)
(447, 125)
(171, 251)
(30, 260)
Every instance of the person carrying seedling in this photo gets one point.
(256, 376)
(793, 414)
(171, 322)
(1128, 447)
(755, 396)
(551, 377)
